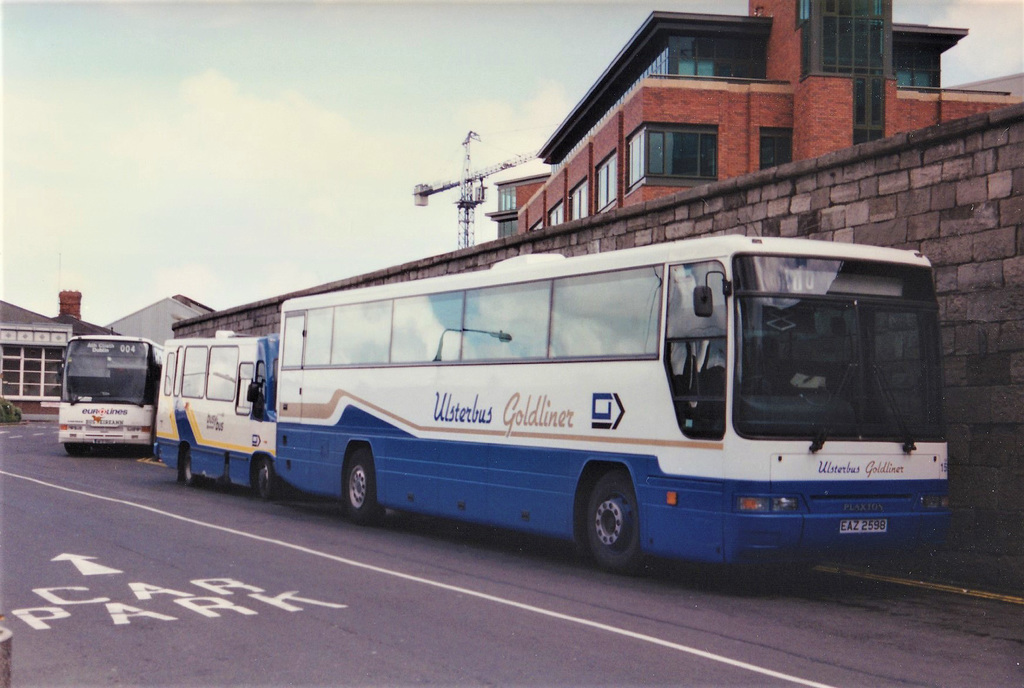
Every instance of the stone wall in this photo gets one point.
(956, 193)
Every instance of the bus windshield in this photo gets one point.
(106, 370)
(833, 349)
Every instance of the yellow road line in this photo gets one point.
(939, 587)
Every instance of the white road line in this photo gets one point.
(445, 586)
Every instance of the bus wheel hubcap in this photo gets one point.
(609, 521)
(357, 486)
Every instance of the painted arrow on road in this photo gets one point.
(85, 566)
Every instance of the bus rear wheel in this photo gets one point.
(613, 524)
(185, 474)
(263, 479)
(359, 488)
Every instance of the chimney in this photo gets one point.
(71, 304)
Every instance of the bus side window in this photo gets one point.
(698, 385)
(220, 380)
(255, 394)
(294, 334)
(319, 330)
(169, 373)
(193, 383)
(179, 370)
(695, 352)
(242, 403)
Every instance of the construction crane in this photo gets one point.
(472, 191)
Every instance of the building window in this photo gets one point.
(556, 215)
(776, 147)
(507, 198)
(853, 37)
(636, 159)
(32, 372)
(607, 181)
(868, 109)
(849, 37)
(690, 153)
(536, 226)
(507, 228)
(579, 201)
(803, 12)
(917, 68)
(807, 43)
(845, 36)
(718, 57)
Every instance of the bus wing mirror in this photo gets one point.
(254, 392)
(703, 305)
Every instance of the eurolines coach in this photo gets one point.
(723, 399)
(108, 392)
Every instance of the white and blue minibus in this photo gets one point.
(216, 416)
(725, 399)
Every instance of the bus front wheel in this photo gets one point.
(359, 488)
(613, 524)
(263, 479)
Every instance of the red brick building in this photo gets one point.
(513, 195)
(696, 98)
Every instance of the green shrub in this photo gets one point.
(9, 413)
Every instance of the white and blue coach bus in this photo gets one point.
(108, 392)
(216, 417)
(725, 399)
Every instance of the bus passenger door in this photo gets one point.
(293, 439)
(178, 416)
(166, 427)
(289, 386)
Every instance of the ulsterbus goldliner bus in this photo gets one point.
(724, 399)
(216, 415)
(108, 392)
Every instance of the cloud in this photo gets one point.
(996, 33)
(219, 134)
(229, 192)
(516, 128)
(993, 47)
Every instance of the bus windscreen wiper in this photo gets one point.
(818, 443)
(819, 440)
(908, 441)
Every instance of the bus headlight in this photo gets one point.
(785, 503)
(765, 504)
(935, 501)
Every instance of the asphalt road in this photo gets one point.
(113, 574)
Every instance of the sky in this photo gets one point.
(236, 151)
